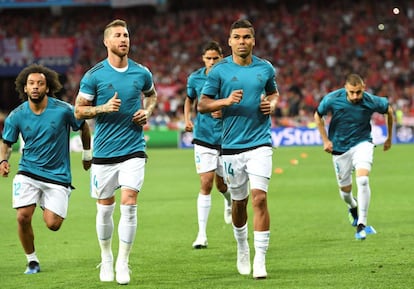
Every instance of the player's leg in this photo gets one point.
(26, 236)
(203, 208)
(103, 183)
(104, 231)
(131, 179)
(127, 228)
(237, 182)
(54, 202)
(362, 160)
(206, 163)
(240, 229)
(259, 166)
(223, 189)
(343, 171)
(25, 197)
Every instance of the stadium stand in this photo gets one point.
(313, 45)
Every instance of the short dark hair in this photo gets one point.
(242, 23)
(354, 79)
(212, 45)
(52, 79)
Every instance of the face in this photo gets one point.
(354, 92)
(210, 58)
(241, 42)
(36, 87)
(117, 41)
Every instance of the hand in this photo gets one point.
(140, 117)
(328, 147)
(86, 164)
(189, 126)
(4, 169)
(216, 114)
(266, 106)
(387, 144)
(236, 96)
(113, 104)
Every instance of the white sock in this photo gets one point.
(261, 244)
(348, 198)
(203, 210)
(127, 223)
(126, 230)
(227, 196)
(240, 234)
(123, 252)
(104, 230)
(32, 257)
(364, 198)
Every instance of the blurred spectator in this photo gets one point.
(313, 44)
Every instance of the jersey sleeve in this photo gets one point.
(87, 87)
(191, 89)
(382, 104)
(148, 81)
(271, 85)
(211, 86)
(10, 130)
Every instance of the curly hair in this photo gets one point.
(52, 80)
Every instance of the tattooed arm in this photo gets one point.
(85, 110)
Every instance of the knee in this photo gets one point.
(362, 180)
(54, 226)
(259, 199)
(24, 219)
(53, 223)
(222, 188)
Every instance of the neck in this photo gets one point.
(38, 108)
(118, 61)
(242, 61)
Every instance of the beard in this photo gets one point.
(38, 99)
(356, 101)
(120, 54)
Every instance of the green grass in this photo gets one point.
(312, 244)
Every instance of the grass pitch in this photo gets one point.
(312, 244)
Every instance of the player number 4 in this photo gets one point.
(229, 169)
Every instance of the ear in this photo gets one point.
(104, 42)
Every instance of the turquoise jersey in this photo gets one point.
(350, 123)
(207, 129)
(244, 125)
(115, 133)
(46, 139)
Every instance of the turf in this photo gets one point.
(312, 242)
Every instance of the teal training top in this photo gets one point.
(46, 139)
(115, 133)
(350, 123)
(207, 129)
(244, 125)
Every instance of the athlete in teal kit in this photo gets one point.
(44, 173)
(243, 86)
(349, 141)
(119, 93)
(206, 130)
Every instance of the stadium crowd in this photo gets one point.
(313, 45)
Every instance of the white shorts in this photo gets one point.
(207, 160)
(254, 167)
(358, 157)
(106, 178)
(28, 191)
